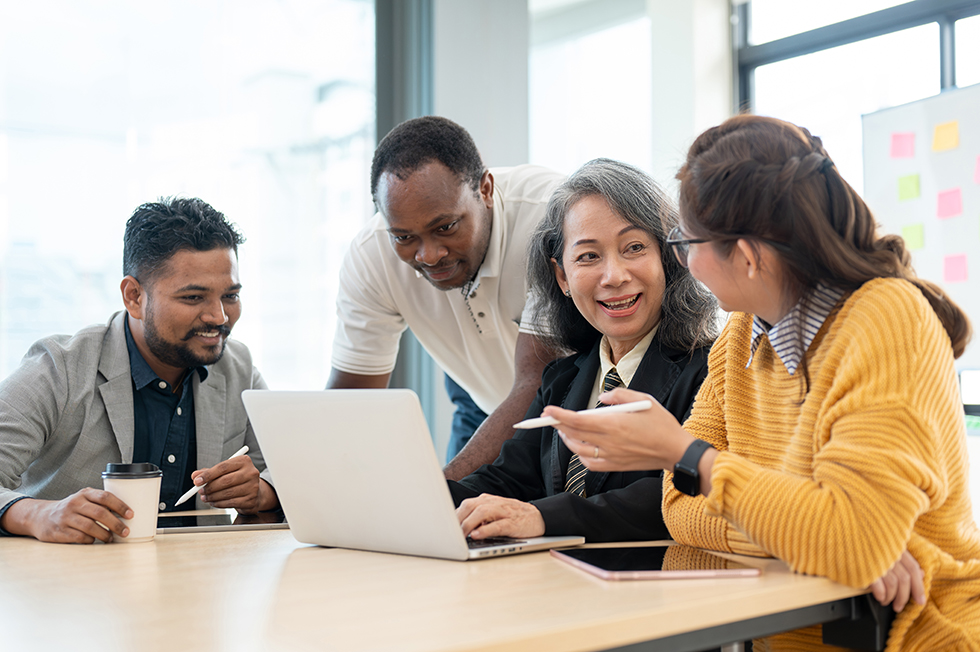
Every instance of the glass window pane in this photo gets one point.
(828, 91)
(263, 108)
(968, 51)
(776, 19)
(584, 102)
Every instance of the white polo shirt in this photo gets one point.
(473, 338)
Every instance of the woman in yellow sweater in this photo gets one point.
(829, 432)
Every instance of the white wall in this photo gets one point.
(480, 75)
(480, 81)
(692, 77)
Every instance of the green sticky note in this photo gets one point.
(914, 236)
(908, 187)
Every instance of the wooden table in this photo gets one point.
(264, 591)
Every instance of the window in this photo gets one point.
(828, 91)
(968, 51)
(824, 67)
(776, 19)
(263, 109)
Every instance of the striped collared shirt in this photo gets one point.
(785, 334)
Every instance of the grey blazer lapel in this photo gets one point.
(117, 390)
(210, 399)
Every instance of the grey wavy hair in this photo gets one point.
(689, 311)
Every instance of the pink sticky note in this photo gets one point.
(954, 268)
(903, 144)
(949, 203)
(976, 172)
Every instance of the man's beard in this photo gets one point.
(180, 355)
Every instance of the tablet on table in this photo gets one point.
(218, 520)
(658, 562)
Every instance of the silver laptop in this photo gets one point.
(355, 468)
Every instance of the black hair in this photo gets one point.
(158, 230)
(416, 142)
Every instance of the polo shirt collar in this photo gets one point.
(784, 335)
(498, 227)
(490, 268)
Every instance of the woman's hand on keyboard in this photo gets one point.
(493, 516)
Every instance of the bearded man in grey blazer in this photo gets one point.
(160, 382)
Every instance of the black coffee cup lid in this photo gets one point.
(141, 470)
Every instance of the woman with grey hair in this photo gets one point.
(612, 293)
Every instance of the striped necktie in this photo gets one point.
(575, 476)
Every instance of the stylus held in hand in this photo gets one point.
(540, 422)
(193, 490)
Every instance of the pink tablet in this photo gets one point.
(659, 562)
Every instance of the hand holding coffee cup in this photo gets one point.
(137, 485)
(86, 516)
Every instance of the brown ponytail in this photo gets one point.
(759, 177)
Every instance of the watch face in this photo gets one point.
(686, 477)
(686, 482)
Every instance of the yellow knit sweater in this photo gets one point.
(873, 461)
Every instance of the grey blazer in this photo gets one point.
(67, 411)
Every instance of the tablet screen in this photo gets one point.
(623, 559)
(653, 562)
(220, 520)
(199, 520)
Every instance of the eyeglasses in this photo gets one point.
(681, 245)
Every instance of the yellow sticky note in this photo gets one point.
(946, 136)
(908, 187)
(914, 236)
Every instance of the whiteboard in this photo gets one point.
(922, 181)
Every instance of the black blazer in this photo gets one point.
(620, 506)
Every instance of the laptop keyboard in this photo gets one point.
(491, 541)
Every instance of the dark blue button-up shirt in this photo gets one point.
(164, 431)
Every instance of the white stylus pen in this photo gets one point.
(193, 490)
(540, 422)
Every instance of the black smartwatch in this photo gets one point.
(687, 480)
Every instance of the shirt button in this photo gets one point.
(163, 506)
(162, 385)
(480, 315)
(171, 459)
(179, 412)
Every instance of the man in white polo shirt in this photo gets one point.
(445, 256)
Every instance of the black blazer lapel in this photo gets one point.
(658, 371)
(656, 375)
(576, 398)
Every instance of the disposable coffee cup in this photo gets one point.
(137, 485)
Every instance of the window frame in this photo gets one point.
(746, 58)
